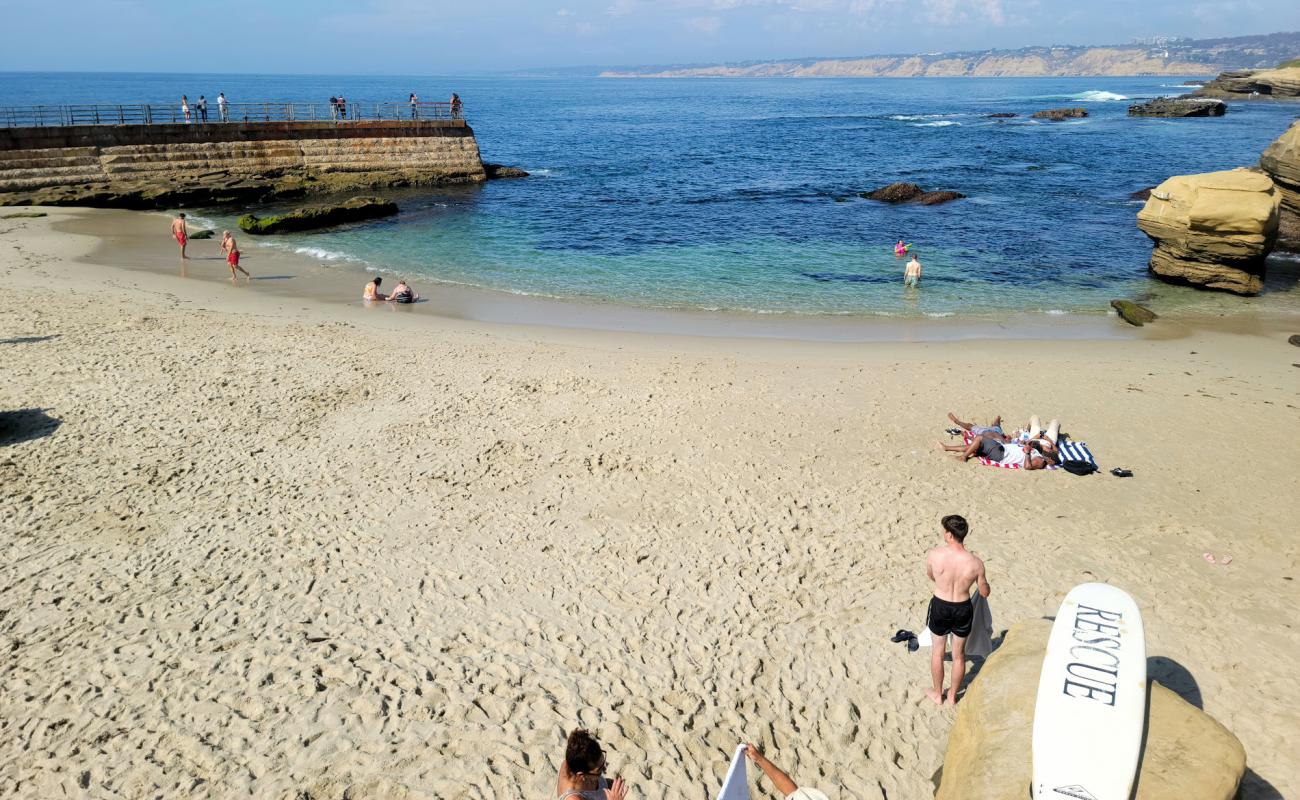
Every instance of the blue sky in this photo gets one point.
(432, 37)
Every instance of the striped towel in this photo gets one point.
(1070, 451)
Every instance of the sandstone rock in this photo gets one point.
(1179, 107)
(1213, 230)
(1188, 756)
(910, 192)
(1254, 84)
(1132, 313)
(1060, 114)
(496, 171)
(1281, 160)
(301, 219)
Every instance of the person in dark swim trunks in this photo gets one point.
(403, 294)
(954, 569)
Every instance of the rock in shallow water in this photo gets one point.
(1213, 230)
(1132, 313)
(910, 192)
(302, 219)
(1060, 114)
(1178, 107)
(1188, 755)
(499, 171)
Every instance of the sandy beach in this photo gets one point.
(261, 544)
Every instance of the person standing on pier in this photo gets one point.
(414, 101)
(455, 106)
(185, 108)
(222, 111)
(343, 108)
(179, 233)
(203, 108)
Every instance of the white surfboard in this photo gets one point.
(1091, 710)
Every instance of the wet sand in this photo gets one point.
(266, 544)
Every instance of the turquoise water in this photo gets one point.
(722, 194)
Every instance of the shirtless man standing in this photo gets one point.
(231, 250)
(179, 233)
(953, 569)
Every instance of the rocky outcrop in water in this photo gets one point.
(1133, 313)
(1061, 114)
(313, 217)
(1213, 230)
(1188, 755)
(1179, 107)
(1254, 84)
(1281, 160)
(501, 171)
(1003, 115)
(910, 193)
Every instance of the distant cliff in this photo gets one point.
(1177, 57)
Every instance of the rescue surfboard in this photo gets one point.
(1091, 710)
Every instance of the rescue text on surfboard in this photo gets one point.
(1093, 672)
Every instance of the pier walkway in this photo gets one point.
(268, 111)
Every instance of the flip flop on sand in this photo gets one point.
(1222, 561)
(902, 636)
(1209, 558)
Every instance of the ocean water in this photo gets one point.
(742, 194)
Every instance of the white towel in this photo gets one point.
(736, 785)
(980, 641)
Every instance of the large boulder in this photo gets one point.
(1061, 114)
(1179, 107)
(1213, 230)
(311, 217)
(910, 193)
(1254, 84)
(1188, 756)
(1281, 160)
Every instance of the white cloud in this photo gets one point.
(705, 25)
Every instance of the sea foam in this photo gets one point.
(940, 124)
(1098, 97)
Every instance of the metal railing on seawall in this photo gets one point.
(173, 114)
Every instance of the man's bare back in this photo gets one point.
(953, 571)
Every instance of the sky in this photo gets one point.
(435, 37)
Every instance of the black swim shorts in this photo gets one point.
(945, 618)
(991, 449)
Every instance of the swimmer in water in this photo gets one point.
(901, 249)
(912, 273)
(371, 292)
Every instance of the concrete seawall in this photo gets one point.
(157, 165)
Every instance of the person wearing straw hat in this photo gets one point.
(783, 783)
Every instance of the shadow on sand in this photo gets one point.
(25, 425)
(29, 339)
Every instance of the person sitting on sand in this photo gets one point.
(953, 569)
(996, 447)
(912, 272)
(780, 780)
(231, 250)
(371, 292)
(403, 294)
(179, 233)
(582, 773)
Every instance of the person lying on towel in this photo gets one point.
(1025, 455)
